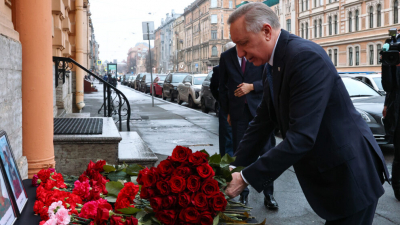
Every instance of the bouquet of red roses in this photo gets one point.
(182, 190)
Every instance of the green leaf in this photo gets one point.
(221, 181)
(204, 151)
(140, 214)
(216, 220)
(113, 188)
(133, 180)
(111, 199)
(133, 169)
(226, 174)
(108, 168)
(147, 217)
(215, 159)
(238, 169)
(227, 159)
(129, 210)
(117, 175)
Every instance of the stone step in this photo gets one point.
(132, 149)
(77, 115)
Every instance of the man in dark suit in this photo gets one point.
(337, 161)
(240, 88)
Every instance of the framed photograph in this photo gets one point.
(11, 173)
(7, 209)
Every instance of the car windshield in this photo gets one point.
(378, 82)
(148, 78)
(358, 89)
(161, 78)
(198, 80)
(176, 78)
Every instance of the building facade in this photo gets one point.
(137, 58)
(177, 44)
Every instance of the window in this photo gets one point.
(371, 17)
(335, 57)
(396, 12)
(214, 51)
(320, 28)
(306, 4)
(315, 28)
(306, 30)
(213, 34)
(222, 18)
(222, 34)
(336, 25)
(330, 25)
(302, 5)
(330, 53)
(356, 21)
(315, 3)
(302, 30)
(230, 4)
(213, 3)
(288, 27)
(350, 56)
(214, 18)
(378, 50)
(371, 55)
(378, 16)
(350, 22)
(357, 55)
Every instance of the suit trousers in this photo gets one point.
(239, 127)
(363, 217)
(225, 134)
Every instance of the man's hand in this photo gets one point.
(243, 89)
(384, 111)
(236, 186)
(229, 119)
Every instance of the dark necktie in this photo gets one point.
(243, 64)
(270, 81)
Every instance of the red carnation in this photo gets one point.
(181, 154)
(44, 175)
(205, 171)
(116, 220)
(131, 221)
(177, 184)
(99, 165)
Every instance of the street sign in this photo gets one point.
(98, 62)
(150, 28)
(196, 65)
(148, 36)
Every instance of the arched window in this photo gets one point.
(350, 56)
(315, 28)
(356, 20)
(330, 25)
(350, 21)
(214, 51)
(371, 17)
(336, 25)
(335, 57)
(357, 55)
(330, 53)
(320, 27)
(378, 16)
(396, 12)
(302, 30)
(378, 50)
(371, 55)
(306, 30)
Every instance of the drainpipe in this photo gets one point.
(79, 54)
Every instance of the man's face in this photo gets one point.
(253, 46)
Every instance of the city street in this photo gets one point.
(168, 124)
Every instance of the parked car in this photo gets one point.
(371, 78)
(369, 103)
(170, 85)
(136, 82)
(145, 83)
(130, 80)
(126, 79)
(208, 101)
(158, 84)
(189, 89)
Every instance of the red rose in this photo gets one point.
(156, 203)
(131, 221)
(147, 193)
(102, 216)
(210, 187)
(181, 154)
(182, 171)
(116, 220)
(168, 202)
(44, 175)
(206, 218)
(38, 207)
(141, 174)
(198, 158)
(219, 202)
(165, 168)
(200, 201)
(177, 184)
(184, 199)
(166, 217)
(148, 178)
(99, 165)
(193, 183)
(163, 187)
(190, 215)
(205, 171)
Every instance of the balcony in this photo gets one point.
(58, 39)
(58, 8)
(67, 4)
(66, 25)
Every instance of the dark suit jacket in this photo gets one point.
(230, 77)
(337, 161)
(214, 83)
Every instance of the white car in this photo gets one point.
(189, 89)
(374, 80)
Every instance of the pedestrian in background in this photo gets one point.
(105, 78)
(240, 92)
(225, 130)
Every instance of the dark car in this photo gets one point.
(158, 84)
(208, 101)
(170, 85)
(136, 82)
(369, 103)
(145, 83)
(130, 80)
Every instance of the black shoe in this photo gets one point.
(270, 202)
(396, 179)
(244, 198)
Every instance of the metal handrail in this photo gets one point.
(63, 64)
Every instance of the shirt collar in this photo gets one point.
(271, 60)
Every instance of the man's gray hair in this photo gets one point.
(256, 14)
(229, 45)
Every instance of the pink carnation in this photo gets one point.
(52, 170)
(62, 216)
(53, 207)
(82, 189)
(51, 221)
(89, 210)
(35, 180)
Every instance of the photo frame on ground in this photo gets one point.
(8, 213)
(11, 173)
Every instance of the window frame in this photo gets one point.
(350, 55)
(214, 48)
(214, 17)
(349, 20)
(357, 55)
(371, 54)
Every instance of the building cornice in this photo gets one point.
(354, 40)
(319, 13)
(352, 3)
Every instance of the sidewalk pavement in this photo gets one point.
(167, 124)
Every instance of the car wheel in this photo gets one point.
(203, 106)
(191, 103)
(179, 99)
(172, 96)
(162, 95)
